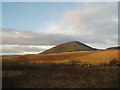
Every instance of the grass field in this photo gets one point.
(52, 71)
(92, 57)
(61, 78)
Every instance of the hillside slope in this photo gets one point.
(113, 48)
(93, 57)
(69, 47)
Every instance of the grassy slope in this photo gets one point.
(100, 57)
(93, 57)
(69, 47)
(65, 77)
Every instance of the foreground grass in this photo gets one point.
(50, 70)
(65, 77)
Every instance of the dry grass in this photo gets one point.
(49, 71)
(61, 78)
(99, 57)
(93, 57)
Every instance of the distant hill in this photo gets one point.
(114, 48)
(7, 55)
(72, 46)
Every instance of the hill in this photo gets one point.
(7, 56)
(113, 48)
(92, 57)
(69, 47)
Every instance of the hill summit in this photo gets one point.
(72, 46)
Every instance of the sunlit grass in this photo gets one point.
(99, 57)
(93, 57)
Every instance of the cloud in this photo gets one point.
(94, 23)
(22, 49)
(33, 38)
(93, 19)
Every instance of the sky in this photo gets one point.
(32, 27)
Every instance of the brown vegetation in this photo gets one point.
(69, 47)
(91, 57)
(58, 76)
(84, 69)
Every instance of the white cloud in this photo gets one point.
(92, 19)
(94, 24)
(22, 49)
(33, 38)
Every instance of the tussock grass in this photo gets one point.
(99, 57)
(92, 57)
(61, 78)
(49, 70)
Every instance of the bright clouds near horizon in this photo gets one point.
(95, 24)
(22, 49)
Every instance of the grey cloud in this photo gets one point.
(28, 49)
(92, 19)
(32, 38)
(96, 25)
(10, 50)
(19, 49)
